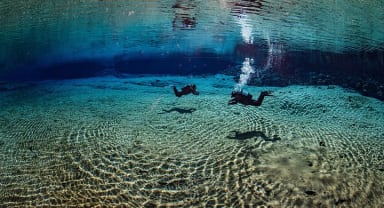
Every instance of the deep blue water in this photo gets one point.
(297, 42)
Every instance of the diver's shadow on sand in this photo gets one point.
(252, 134)
(179, 110)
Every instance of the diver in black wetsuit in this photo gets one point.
(186, 90)
(246, 98)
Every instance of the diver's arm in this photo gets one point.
(232, 102)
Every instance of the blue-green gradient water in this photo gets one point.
(88, 116)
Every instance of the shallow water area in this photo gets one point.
(130, 142)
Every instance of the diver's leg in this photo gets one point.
(259, 100)
(177, 93)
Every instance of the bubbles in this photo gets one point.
(246, 30)
(246, 71)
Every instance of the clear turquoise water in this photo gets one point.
(130, 142)
(88, 117)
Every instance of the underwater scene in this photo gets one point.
(192, 103)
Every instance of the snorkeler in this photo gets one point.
(186, 90)
(246, 98)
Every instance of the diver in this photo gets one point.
(186, 90)
(246, 99)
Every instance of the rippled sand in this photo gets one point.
(130, 142)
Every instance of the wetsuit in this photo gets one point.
(186, 90)
(246, 98)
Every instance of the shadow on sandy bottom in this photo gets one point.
(252, 134)
(179, 110)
